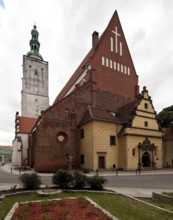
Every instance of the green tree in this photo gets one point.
(165, 117)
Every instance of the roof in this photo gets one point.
(127, 111)
(82, 65)
(5, 147)
(26, 124)
(5, 150)
(98, 114)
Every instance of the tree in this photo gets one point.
(165, 117)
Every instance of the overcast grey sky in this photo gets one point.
(65, 28)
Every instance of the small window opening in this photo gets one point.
(133, 152)
(82, 159)
(112, 140)
(81, 133)
(146, 123)
(146, 105)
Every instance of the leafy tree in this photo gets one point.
(165, 117)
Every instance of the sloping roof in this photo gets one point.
(74, 77)
(26, 124)
(127, 111)
(98, 114)
(82, 65)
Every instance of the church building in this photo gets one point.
(100, 119)
(34, 98)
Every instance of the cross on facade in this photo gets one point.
(116, 38)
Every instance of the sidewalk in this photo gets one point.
(8, 168)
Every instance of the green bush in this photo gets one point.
(79, 179)
(96, 182)
(62, 178)
(30, 181)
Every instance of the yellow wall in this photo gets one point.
(133, 142)
(97, 142)
(86, 146)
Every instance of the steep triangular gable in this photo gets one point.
(111, 60)
(145, 115)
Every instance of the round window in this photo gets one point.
(62, 137)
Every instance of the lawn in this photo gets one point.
(122, 207)
(165, 205)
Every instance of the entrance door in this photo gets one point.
(146, 159)
(101, 162)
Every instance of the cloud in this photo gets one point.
(65, 29)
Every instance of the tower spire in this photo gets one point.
(34, 44)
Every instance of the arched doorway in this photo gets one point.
(146, 161)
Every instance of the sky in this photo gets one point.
(65, 28)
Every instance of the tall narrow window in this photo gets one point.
(111, 64)
(118, 66)
(121, 68)
(111, 44)
(82, 159)
(114, 65)
(103, 60)
(107, 62)
(66, 113)
(81, 133)
(121, 49)
(125, 69)
(134, 152)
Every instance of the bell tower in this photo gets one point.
(34, 94)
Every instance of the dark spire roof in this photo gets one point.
(34, 44)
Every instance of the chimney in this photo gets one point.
(95, 37)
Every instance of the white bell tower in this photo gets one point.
(35, 97)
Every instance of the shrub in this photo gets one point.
(62, 178)
(30, 181)
(79, 179)
(96, 182)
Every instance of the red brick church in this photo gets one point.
(99, 119)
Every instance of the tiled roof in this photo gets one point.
(80, 68)
(26, 124)
(5, 147)
(75, 75)
(98, 114)
(127, 111)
